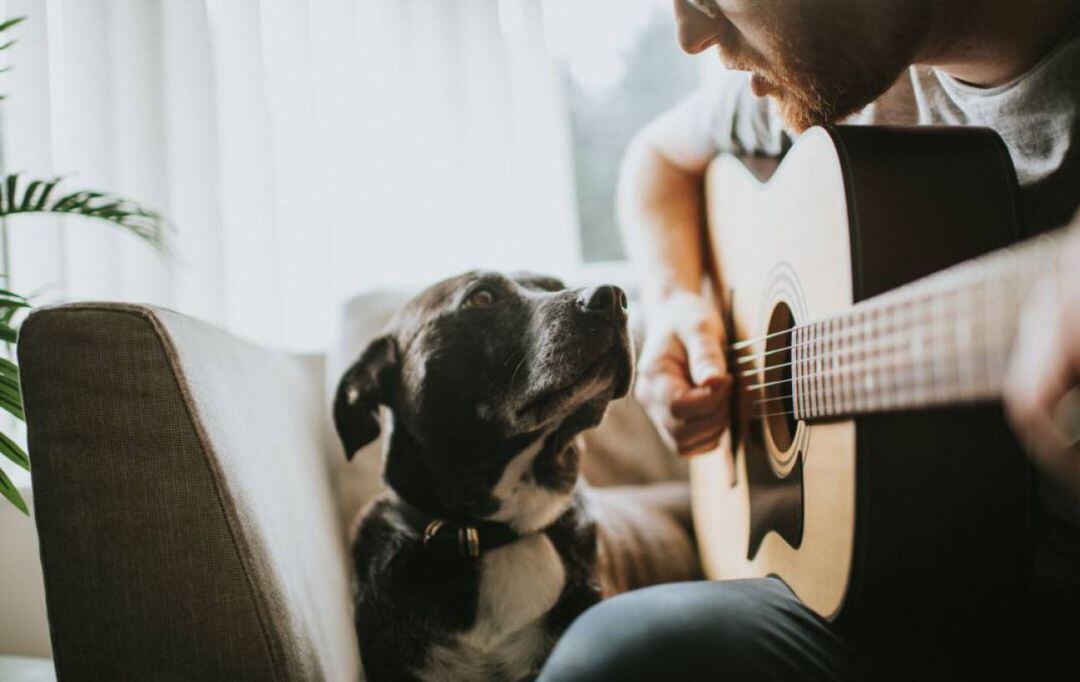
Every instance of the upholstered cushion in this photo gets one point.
(182, 500)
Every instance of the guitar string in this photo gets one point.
(893, 362)
(874, 306)
(894, 386)
(821, 393)
(896, 331)
(857, 329)
(879, 408)
(1017, 261)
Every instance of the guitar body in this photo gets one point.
(884, 516)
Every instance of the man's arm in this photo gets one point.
(683, 380)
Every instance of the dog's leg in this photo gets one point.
(646, 535)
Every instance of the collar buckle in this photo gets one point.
(443, 537)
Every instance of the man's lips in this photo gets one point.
(758, 83)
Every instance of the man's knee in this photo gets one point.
(671, 631)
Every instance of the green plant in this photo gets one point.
(44, 196)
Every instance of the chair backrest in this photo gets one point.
(183, 504)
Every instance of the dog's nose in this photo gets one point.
(606, 300)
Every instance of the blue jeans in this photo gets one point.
(758, 630)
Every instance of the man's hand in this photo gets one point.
(683, 381)
(1046, 365)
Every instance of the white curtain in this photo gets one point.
(305, 150)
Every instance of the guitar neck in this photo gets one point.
(944, 339)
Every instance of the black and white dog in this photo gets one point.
(485, 548)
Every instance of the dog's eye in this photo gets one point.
(481, 298)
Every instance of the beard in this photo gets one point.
(824, 66)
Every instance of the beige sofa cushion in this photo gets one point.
(182, 500)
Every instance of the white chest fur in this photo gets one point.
(519, 584)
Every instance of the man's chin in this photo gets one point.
(798, 113)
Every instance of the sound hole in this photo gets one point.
(779, 407)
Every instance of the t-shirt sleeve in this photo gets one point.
(723, 115)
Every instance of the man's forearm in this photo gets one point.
(660, 209)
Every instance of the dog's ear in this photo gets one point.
(360, 392)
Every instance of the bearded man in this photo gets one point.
(1011, 66)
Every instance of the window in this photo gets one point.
(621, 66)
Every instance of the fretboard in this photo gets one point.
(943, 339)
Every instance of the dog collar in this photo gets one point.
(455, 538)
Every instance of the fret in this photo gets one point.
(819, 406)
(797, 373)
(987, 337)
(808, 353)
(890, 375)
(962, 341)
(796, 388)
(874, 363)
(858, 360)
(924, 352)
(842, 365)
(851, 357)
(829, 386)
(913, 348)
(819, 364)
(874, 372)
(837, 374)
(940, 359)
(807, 381)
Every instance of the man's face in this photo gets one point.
(821, 60)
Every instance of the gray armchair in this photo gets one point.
(192, 501)
(183, 502)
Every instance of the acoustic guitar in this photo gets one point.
(868, 465)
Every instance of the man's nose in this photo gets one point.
(696, 30)
(607, 300)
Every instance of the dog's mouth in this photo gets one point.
(612, 369)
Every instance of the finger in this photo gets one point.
(705, 443)
(705, 355)
(658, 387)
(689, 433)
(702, 401)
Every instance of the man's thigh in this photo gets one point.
(738, 630)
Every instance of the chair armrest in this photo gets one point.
(186, 524)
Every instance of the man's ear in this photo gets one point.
(363, 388)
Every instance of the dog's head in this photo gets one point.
(488, 378)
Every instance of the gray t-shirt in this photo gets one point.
(1038, 117)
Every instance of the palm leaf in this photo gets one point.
(10, 381)
(8, 490)
(8, 333)
(8, 369)
(10, 393)
(11, 22)
(12, 402)
(12, 451)
(36, 197)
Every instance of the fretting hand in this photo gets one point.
(1045, 366)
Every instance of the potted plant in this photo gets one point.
(19, 197)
